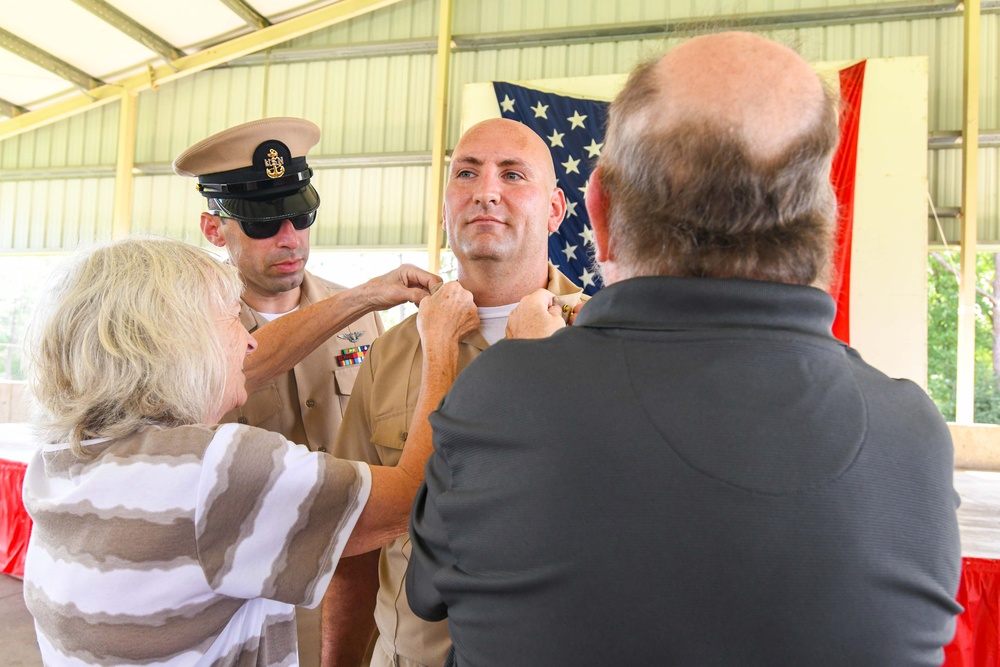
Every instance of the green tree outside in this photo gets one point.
(942, 335)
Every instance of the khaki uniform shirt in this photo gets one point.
(374, 430)
(306, 404)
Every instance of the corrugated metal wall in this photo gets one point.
(57, 184)
(369, 83)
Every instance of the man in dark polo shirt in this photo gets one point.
(696, 472)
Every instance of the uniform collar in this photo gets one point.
(567, 293)
(311, 291)
(562, 286)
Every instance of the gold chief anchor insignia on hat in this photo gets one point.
(256, 171)
(275, 164)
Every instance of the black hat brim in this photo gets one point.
(303, 200)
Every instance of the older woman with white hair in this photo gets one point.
(160, 539)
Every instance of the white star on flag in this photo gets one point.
(570, 166)
(588, 235)
(541, 110)
(594, 149)
(569, 251)
(576, 120)
(507, 104)
(584, 189)
(571, 209)
(555, 139)
(587, 278)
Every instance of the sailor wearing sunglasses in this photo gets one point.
(260, 206)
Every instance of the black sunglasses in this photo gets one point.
(264, 230)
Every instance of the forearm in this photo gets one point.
(387, 514)
(291, 338)
(348, 611)
(438, 373)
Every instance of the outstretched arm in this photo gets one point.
(289, 339)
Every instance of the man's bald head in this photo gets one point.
(717, 163)
(517, 138)
(746, 86)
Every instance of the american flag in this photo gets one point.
(573, 129)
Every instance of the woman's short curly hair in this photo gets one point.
(128, 337)
(693, 200)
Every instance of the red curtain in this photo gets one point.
(15, 524)
(843, 173)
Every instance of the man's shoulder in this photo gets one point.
(400, 340)
(405, 333)
(898, 401)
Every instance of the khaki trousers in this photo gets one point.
(380, 658)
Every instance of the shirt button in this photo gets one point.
(243, 420)
(402, 436)
(310, 403)
(322, 449)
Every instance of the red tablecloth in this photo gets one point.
(15, 526)
(977, 636)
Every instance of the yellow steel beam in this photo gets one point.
(45, 60)
(247, 13)
(965, 379)
(194, 63)
(122, 220)
(439, 147)
(121, 22)
(10, 109)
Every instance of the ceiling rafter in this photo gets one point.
(47, 61)
(213, 56)
(124, 24)
(247, 13)
(10, 109)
